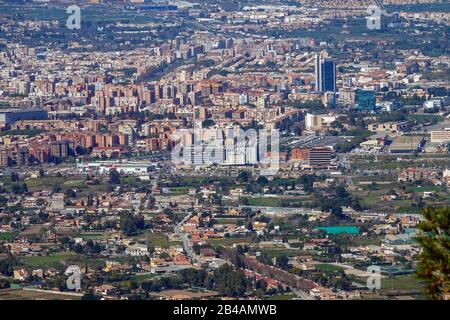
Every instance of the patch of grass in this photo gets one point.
(265, 202)
(43, 183)
(175, 243)
(373, 197)
(177, 191)
(406, 282)
(403, 282)
(50, 260)
(276, 201)
(6, 236)
(424, 189)
(325, 267)
(157, 239)
(229, 241)
(143, 277)
(133, 182)
(425, 118)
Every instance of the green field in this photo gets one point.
(403, 282)
(372, 198)
(424, 189)
(276, 201)
(406, 282)
(65, 183)
(325, 267)
(425, 118)
(43, 183)
(177, 191)
(175, 243)
(143, 277)
(265, 202)
(7, 236)
(157, 239)
(50, 260)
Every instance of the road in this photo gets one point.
(302, 295)
(184, 237)
(214, 262)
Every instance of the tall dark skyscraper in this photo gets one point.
(325, 71)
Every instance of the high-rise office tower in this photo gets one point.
(318, 72)
(325, 71)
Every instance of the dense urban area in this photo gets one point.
(221, 149)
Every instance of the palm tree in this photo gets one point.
(434, 260)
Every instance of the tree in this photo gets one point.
(229, 280)
(434, 260)
(130, 224)
(208, 123)
(114, 177)
(19, 188)
(14, 177)
(3, 200)
(262, 181)
(243, 176)
(282, 262)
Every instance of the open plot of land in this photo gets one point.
(282, 252)
(403, 282)
(191, 294)
(19, 294)
(229, 241)
(325, 267)
(228, 220)
(65, 183)
(135, 277)
(91, 235)
(43, 183)
(363, 240)
(157, 239)
(50, 260)
(281, 201)
(7, 236)
(176, 191)
(33, 230)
